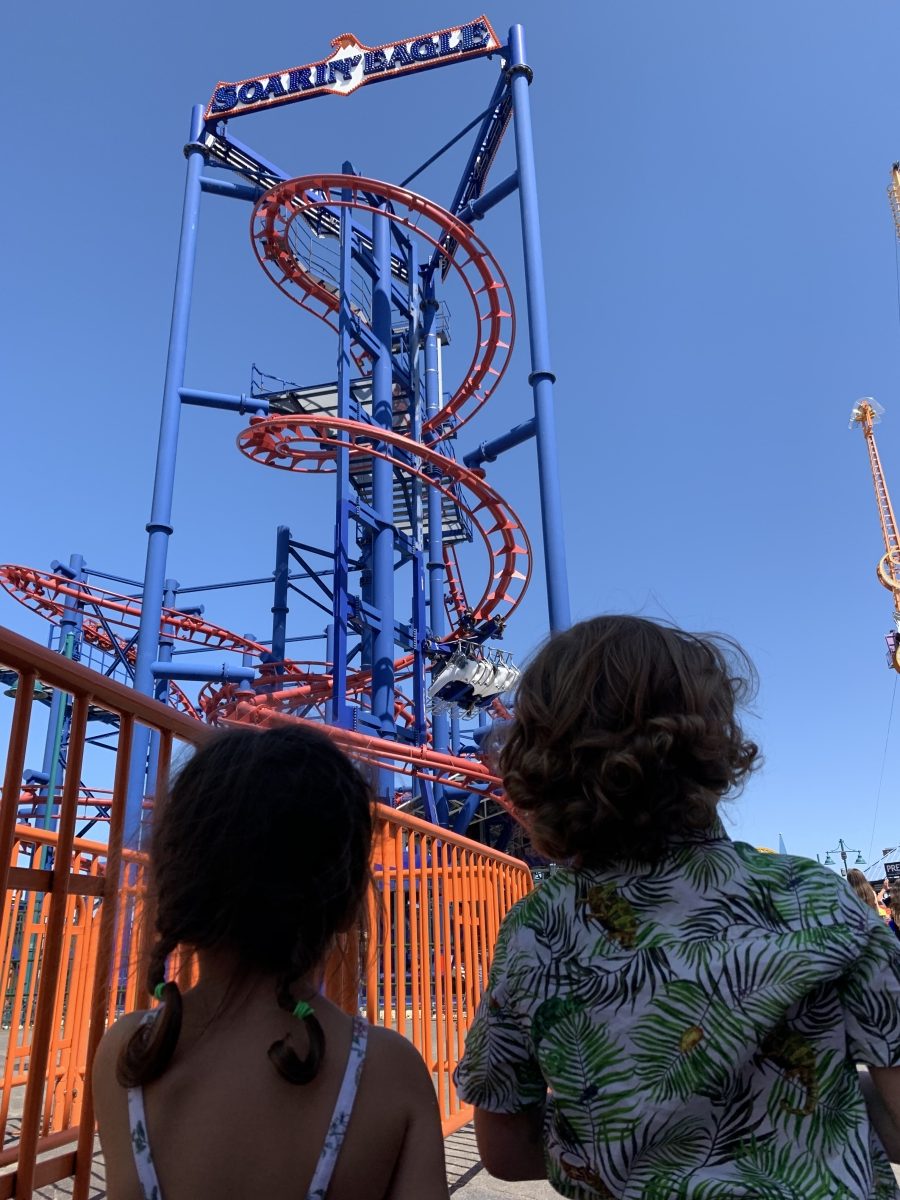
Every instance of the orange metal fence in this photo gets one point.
(71, 929)
(433, 919)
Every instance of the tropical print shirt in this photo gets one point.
(698, 1023)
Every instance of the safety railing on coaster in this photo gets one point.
(72, 930)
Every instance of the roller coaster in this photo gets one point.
(409, 691)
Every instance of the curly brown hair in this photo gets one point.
(624, 737)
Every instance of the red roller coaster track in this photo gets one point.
(274, 219)
(40, 591)
(49, 595)
(308, 443)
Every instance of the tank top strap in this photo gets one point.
(334, 1138)
(140, 1141)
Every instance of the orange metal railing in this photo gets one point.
(72, 925)
(433, 919)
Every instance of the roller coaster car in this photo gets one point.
(458, 675)
(472, 682)
(506, 676)
(485, 681)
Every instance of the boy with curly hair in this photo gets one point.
(673, 1014)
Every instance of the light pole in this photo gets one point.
(843, 850)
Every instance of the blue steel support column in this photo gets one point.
(205, 672)
(329, 660)
(541, 377)
(482, 205)
(159, 527)
(248, 659)
(337, 708)
(383, 487)
(416, 412)
(166, 647)
(161, 686)
(440, 729)
(234, 191)
(256, 406)
(488, 451)
(440, 725)
(69, 632)
(280, 599)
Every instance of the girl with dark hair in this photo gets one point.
(251, 1083)
(672, 1014)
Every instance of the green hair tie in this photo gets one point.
(158, 990)
(302, 1010)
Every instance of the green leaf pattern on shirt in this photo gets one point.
(697, 1023)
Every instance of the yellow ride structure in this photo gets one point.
(867, 413)
(894, 195)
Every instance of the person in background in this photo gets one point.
(866, 892)
(252, 1084)
(672, 1014)
(894, 909)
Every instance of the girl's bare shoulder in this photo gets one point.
(111, 1045)
(393, 1055)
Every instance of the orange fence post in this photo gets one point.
(102, 968)
(12, 776)
(50, 964)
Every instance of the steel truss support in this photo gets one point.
(60, 708)
(440, 725)
(382, 539)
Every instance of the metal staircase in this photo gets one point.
(322, 400)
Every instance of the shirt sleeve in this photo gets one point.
(870, 992)
(498, 1072)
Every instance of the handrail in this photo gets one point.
(30, 658)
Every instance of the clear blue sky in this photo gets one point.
(722, 285)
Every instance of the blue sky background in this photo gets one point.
(722, 281)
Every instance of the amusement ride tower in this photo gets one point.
(866, 414)
(408, 644)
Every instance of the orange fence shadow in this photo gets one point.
(72, 927)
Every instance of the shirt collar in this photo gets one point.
(714, 832)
